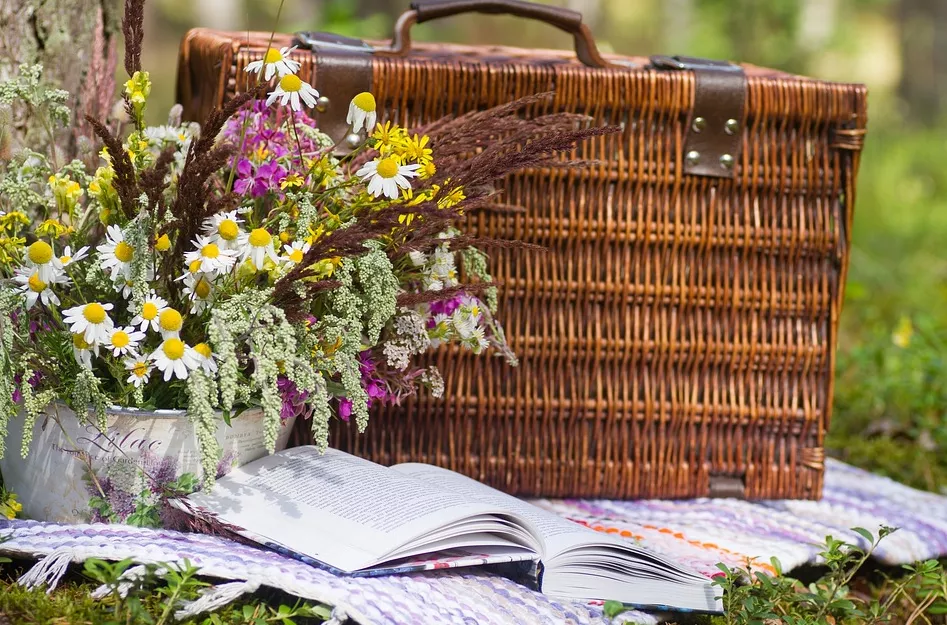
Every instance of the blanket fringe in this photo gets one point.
(338, 616)
(48, 571)
(216, 597)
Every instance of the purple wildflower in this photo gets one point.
(260, 180)
(294, 400)
(447, 306)
(345, 408)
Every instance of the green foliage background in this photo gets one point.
(890, 403)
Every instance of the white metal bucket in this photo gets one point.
(139, 450)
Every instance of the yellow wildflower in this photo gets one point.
(415, 149)
(9, 506)
(66, 191)
(427, 170)
(13, 220)
(292, 180)
(903, 333)
(163, 243)
(454, 197)
(52, 228)
(389, 138)
(138, 88)
(315, 233)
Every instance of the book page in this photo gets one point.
(582, 564)
(346, 512)
(555, 533)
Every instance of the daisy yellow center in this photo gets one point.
(36, 285)
(202, 288)
(173, 349)
(203, 349)
(387, 168)
(195, 266)
(228, 230)
(79, 342)
(65, 260)
(140, 369)
(124, 252)
(163, 244)
(120, 339)
(272, 56)
(210, 251)
(40, 253)
(94, 313)
(296, 256)
(260, 237)
(149, 311)
(365, 101)
(290, 82)
(170, 320)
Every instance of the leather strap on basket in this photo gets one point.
(343, 69)
(715, 128)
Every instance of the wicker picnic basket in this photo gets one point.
(677, 339)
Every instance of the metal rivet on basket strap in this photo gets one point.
(322, 104)
(693, 157)
(698, 124)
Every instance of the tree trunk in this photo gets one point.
(75, 41)
(923, 85)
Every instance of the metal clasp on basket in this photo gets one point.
(330, 42)
(714, 139)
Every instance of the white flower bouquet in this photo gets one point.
(246, 262)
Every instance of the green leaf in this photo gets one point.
(613, 608)
(864, 534)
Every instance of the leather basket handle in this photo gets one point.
(569, 21)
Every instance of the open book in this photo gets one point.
(355, 517)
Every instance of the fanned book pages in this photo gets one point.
(355, 517)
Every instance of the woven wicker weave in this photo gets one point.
(677, 339)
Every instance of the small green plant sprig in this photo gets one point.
(755, 598)
(154, 596)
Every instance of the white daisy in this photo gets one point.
(295, 252)
(150, 312)
(82, 350)
(257, 246)
(205, 356)
(385, 175)
(91, 321)
(292, 88)
(40, 257)
(213, 259)
(115, 254)
(276, 62)
(175, 358)
(224, 230)
(35, 289)
(361, 112)
(200, 291)
(124, 341)
(140, 370)
(68, 257)
(124, 287)
(170, 323)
